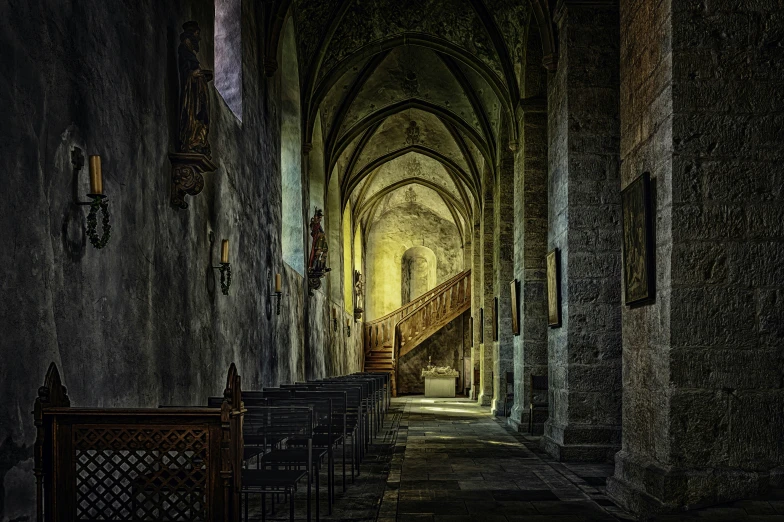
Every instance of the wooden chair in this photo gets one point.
(137, 464)
(277, 424)
(538, 398)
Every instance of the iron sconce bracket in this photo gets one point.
(98, 203)
(225, 277)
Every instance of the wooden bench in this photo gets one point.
(137, 464)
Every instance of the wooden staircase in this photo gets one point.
(388, 338)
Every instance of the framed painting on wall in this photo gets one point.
(495, 319)
(481, 325)
(638, 269)
(554, 288)
(513, 287)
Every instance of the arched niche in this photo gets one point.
(316, 171)
(418, 272)
(348, 266)
(228, 53)
(334, 229)
(293, 217)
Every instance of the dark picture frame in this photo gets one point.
(639, 275)
(554, 288)
(495, 319)
(514, 286)
(481, 325)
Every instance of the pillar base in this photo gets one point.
(581, 443)
(647, 488)
(485, 400)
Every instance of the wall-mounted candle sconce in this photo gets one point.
(278, 293)
(348, 328)
(225, 268)
(98, 202)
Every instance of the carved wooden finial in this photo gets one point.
(53, 393)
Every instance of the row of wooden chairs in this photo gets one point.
(341, 414)
(201, 463)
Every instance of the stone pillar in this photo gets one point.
(476, 295)
(530, 347)
(487, 287)
(703, 404)
(503, 259)
(584, 352)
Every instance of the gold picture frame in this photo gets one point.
(554, 288)
(513, 290)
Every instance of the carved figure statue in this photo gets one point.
(318, 251)
(359, 291)
(194, 94)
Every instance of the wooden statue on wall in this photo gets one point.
(359, 294)
(193, 156)
(317, 263)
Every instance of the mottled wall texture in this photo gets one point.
(702, 111)
(395, 232)
(444, 348)
(142, 322)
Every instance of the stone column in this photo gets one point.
(584, 216)
(530, 347)
(503, 259)
(476, 295)
(487, 287)
(702, 112)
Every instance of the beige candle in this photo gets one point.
(225, 251)
(96, 176)
(278, 284)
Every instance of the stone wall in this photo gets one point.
(584, 352)
(504, 202)
(703, 395)
(142, 322)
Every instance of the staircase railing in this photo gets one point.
(380, 332)
(432, 315)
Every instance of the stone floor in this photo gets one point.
(445, 460)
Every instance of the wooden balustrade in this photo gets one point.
(395, 334)
(432, 315)
(379, 333)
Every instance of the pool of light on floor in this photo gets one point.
(449, 410)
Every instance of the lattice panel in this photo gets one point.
(141, 473)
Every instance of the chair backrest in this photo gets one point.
(538, 388)
(280, 421)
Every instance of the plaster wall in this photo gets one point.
(141, 322)
(396, 231)
(445, 347)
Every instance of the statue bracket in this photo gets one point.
(314, 279)
(186, 178)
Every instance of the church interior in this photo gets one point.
(432, 260)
